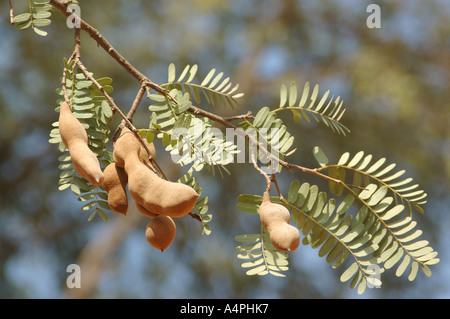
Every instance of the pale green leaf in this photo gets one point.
(393, 212)
(292, 93)
(376, 166)
(41, 22)
(356, 159)
(413, 271)
(304, 95)
(216, 80)
(171, 73)
(344, 159)
(293, 191)
(252, 263)
(256, 270)
(40, 32)
(248, 238)
(403, 265)
(349, 272)
(283, 96)
(192, 73)
(320, 156)
(23, 17)
(208, 78)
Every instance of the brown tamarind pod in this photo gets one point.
(155, 194)
(143, 155)
(115, 184)
(130, 145)
(160, 232)
(144, 211)
(275, 218)
(75, 138)
(125, 146)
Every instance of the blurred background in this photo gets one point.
(394, 81)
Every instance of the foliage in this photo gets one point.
(328, 113)
(364, 227)
(215, 90)
(38, 16)
(367, 225)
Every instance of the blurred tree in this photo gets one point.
(394, 82)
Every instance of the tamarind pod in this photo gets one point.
(160, 232)
(156, 194)
(75, 138)
(143, 155)
(144, 211)
(128, 145)
(146, 187)
(125, 146)
(284, 237)
(272, 213)
(115, 184)
(275, 218)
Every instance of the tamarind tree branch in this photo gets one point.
(146, 82)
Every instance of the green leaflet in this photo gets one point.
(328, 113)
(320, 156)
(94, 113)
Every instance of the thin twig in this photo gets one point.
(11, 13)
(136, 102)
(274, 180)
(247, 116)
(131, 112)
(268, 180)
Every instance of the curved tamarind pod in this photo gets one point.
(130, 145)
(75, 138)
(160, 232)
(115, 184)
(144, 211)
(125, 146)
(156, 194)
(143, 155)
(275, 218)
(146, 187)
(272, 213)
(285, 237)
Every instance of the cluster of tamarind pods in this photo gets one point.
(155, 197)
